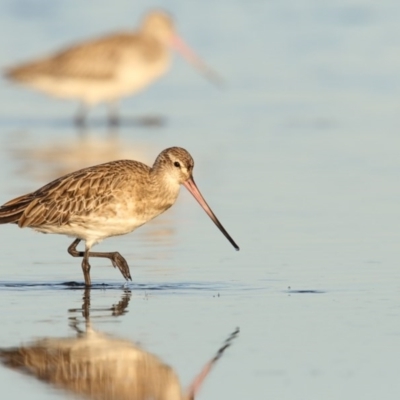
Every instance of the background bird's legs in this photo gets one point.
(81, 116)
(113, 117)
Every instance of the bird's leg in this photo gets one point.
(73, 251)
(80, 118)
(113, 117)
(85, 262)
(117, 260)
(86, 268)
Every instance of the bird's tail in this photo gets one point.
(19, 73)
(12, 211)
(25, 72)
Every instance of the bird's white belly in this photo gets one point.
(126, 81)
(94, 230)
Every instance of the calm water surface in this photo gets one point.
(299, 158)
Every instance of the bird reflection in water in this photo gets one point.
(44, 160)
(101, 367)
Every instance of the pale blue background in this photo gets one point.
(298, 157)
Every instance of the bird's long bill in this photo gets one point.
(179, 45)
(191, 186)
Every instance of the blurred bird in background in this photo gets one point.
(109, 68)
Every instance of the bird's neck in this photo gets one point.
(163, 188)
(150, 35)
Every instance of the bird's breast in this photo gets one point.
(134, 73)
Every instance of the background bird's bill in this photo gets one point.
(191, 186)
(179, 45)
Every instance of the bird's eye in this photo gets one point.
(177, 165)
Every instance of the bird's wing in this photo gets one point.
(75, 195)
(95, 59)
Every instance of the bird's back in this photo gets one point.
(96, 70)
(77, 194)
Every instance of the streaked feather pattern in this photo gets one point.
(75, 195)
(118, 189)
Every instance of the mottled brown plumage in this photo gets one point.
(106, 200)
(94, 60)
(78, 194)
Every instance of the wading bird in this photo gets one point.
(107, 200)
(106, 69)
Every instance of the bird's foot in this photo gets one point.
(113, 121)
(80, 122)
(119, 262)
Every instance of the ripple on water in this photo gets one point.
(176, 287)
(304, 291)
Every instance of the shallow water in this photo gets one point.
(297, 156)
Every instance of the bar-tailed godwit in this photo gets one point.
(108, 68)
(107, 200)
